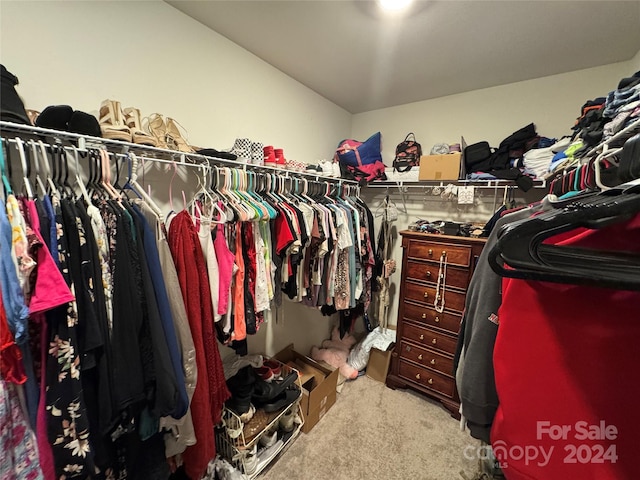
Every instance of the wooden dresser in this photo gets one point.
(426, 339)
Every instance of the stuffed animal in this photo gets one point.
(335, 352)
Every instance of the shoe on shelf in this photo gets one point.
(336, 170)
(157, 128)
(112, 121)
(280, 161)
(283, 400)
(175, 140)
(32, 115)
(269, 437)
(225, 471)
(287, 423)
(269, 157)
(257, 153)
(248, 459)
(134, 122)
(274, 365)
(267, 454)
(242, 149)
(266, 392)
(265, 373)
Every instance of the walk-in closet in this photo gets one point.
(275, 240)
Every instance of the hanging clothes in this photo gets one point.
(211, 390)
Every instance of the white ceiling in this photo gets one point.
(352, 55)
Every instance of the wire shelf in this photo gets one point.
(235, 438)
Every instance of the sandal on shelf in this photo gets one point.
(175, 140)
(134, 122)
(157, 128)
(32, 115)
(112, 121)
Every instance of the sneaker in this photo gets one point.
(242, 149)
(336, 170)
(265, 373)
(287, 420)
(280, 160)
(249, 459)
(266, 455)
(225, 471)
(326, 168)
(274, 366)
(268, 438)
(257, 153)
(269, 156)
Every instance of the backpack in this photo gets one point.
(408, 153)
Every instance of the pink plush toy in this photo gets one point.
(335, 352)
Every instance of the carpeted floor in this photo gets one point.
(373, 432)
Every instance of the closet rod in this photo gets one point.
(69, 149)
(142, 149)
(285, 174)
(490, 184)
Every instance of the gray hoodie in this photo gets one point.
(474, 375)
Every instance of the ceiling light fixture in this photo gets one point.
(394, 5)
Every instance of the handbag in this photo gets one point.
(408, 153)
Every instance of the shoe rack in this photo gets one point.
(237, 441)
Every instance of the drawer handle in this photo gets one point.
(420, 357)
(430, 252)
(426, 294)
(430, 381)
(428, 274)
(417, 376)
(433, 361)
(433, 341)
(421, 337)
(424, 315)
(437, 319)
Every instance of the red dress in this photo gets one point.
(211, 389)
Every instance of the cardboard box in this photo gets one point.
(313, 417)
(440, 167)
(378, 365)
(319, 388)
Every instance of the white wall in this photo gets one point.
(491, 114)
(635, 64)
(149, 55)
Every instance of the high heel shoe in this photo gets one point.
(112, 122)
(139, 136)
(175, 140)
(157, 129)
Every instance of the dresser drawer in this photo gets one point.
(429, 338)
(427, 378)
(428, 272)
(427, 295)
(425, 250)
(430, 317)
(427, 358)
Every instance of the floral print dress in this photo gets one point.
(67, 421)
